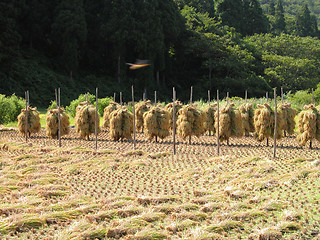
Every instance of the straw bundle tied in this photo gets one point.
(121, 124)
(33, 124)
(85, 120)
(157, 123)
(230, 122)
(288, 114)
(247, 115)
(169, 107)
(307, 125)
(107, 112)
(190, 122)
(264, 122)
(141, 108)
(52, 123)
(209, 111)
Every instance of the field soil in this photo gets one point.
(118, 192)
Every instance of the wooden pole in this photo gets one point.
(282, 95)
(121, 98)
(28, 97)
(26, 118)
(56, 95)
(267, 96)
(174, 120)
(59, 118)
(96, 122)
(155, 97)
(218, 125)
(227, 97)
(86, 97)
(312, 96)
(134, 119)
(209, 97)
(114, 97)
(191, 93)
(246, 96)
(275, 123)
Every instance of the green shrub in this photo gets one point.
(102, 103)
(10, 108)
(301, 97)
(53, 105)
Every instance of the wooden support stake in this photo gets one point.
(56, 95)
(282, 95)
(28, 97)
(121, 98)
(275, 123)
(209, 99)
(134, 118)
(26, 118)
(218, 125)
(227, 97)
(96, 125)
(312, 96)
(155, 97)
(59, 118)
(267, 96)
(86, 97)
(114, 97)
(174, 121)
(246, 96)
(191, 93)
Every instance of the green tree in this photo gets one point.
(202, 6)
(305, 23)
(280, 23)
(272, 9)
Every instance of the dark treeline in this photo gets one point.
(79, 45)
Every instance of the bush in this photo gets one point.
(53, 105)
(103, 103)
(10, 108)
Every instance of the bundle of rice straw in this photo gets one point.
(85, 120)
(209, 111)
(141, 108)
(307, 122)
(107, 112)
(190, 122)
(169, 107)
(288, 114)
(230, 122)
(264, 122)
(247, 115)
(121, 124)
(157, 123)
(33, 121)
(52, 123)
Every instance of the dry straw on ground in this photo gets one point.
(107, 112)
(33, 124)
(230, 122)
(288, 114)
(264, 122)
(52, 123)
(121, 124)
(141, 108)
(209, 111)
(247, 115)
(157, 123)
(308, 125)
(169, 107)
(85, 119)
(190, 122)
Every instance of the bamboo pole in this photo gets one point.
(275, 123)
(267, 96)
(56, 95)
(312, 96)
(282, 95)
(246, 96)
(134, 118)
(191, 93)
(227, 97)
(155, 97)
(174, 120)
(121, 98)
(209, 97)
(96, 122)
(114, 97)
(59, 118)
(26, 118)
(218, 125)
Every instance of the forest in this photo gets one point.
(230, 45)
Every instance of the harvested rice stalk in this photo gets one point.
(85, 120)
(52, 123)
(210, 110)
(107, 112)
(169, 107)
(33, 124)
(141, 108)
(190, 122)
(288, 114)
(121, 124)
(264, 122)
(157, 123)
(307, 125)
(230, 122)
(247, 115)
(81, 104)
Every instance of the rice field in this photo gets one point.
(75, 192)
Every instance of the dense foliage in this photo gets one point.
(10, 108)
(79, 45)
